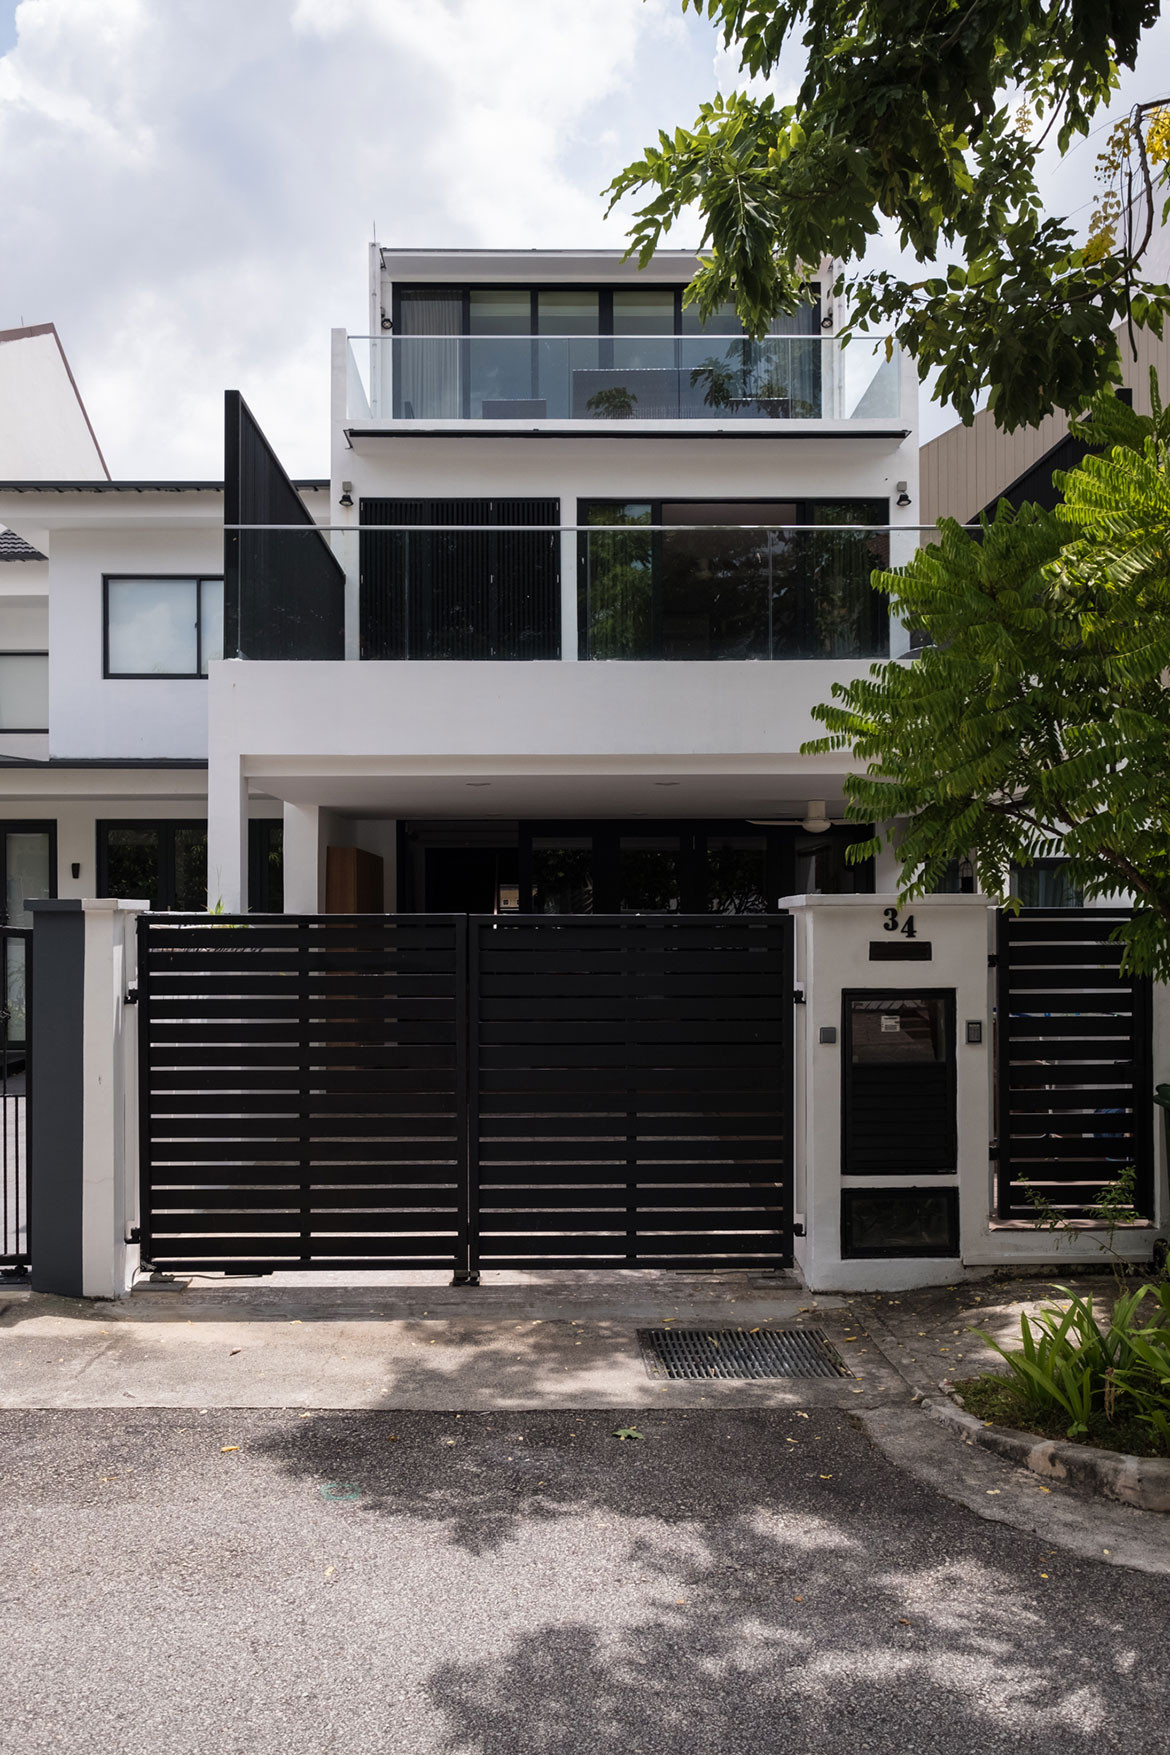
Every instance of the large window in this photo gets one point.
(163, 863)
(24, 691)
(595, 353)
(158, 626)
(732, 579)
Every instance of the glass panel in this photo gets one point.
(562, 876)
(736, 874)
(211, 619)
(823, 604)
(24, 691)
(427, 378)
(191, 867)
(619, 584)
(15, 1032)
(566, 313)
(715, 583)
(28, 873)
(133, 865)
(725, 321)
(645, 371)
(648, 870)
(900, 1221)
(503, 311)
(151, 629)
(898, 1031)
(1046, 884)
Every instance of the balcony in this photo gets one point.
(532, 379)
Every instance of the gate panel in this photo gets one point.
(302, 1089)
(632, 1090)
(1074, 1070)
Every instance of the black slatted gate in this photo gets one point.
(1074, 1072)
(632, 1085)
(300, 1090)
(438, 1091)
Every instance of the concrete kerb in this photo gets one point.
(1143, 1482)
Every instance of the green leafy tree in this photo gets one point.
(1037, 722)
(929, 115)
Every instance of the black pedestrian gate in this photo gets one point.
(445, 1091)
(1074, 1066)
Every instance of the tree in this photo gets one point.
(1037, 722)
(930, 114)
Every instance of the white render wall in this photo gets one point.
(91, 716)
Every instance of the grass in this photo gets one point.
(997, 1400)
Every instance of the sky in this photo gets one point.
(188, 188)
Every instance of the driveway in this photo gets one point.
(527, 1583)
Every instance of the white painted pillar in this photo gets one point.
(227, 834)
(302, 859)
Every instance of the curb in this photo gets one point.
(1140, 1481)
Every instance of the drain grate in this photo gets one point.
(734, 1352)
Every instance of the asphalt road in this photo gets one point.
(529, 1584)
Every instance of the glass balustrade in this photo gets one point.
(619, 378)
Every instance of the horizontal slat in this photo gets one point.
(670, 983)
(579, 1222)
(632, 1151)
(290, 1223)
(782, 1258)
(278, 1197)
(293, 1127)
(548, 1034)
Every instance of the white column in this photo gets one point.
(302, 859)
(109, 1100)
(227, 834)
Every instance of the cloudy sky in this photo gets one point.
(188, 187)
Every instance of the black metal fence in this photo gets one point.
(457, 1092)
(15, 1074)
(1074, 1066)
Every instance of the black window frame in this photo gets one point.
(853, 1251)
(604, 290)
(27, 730)
(196, 579)
(26, 826)
(166, 856)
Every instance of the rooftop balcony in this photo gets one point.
(530, 379)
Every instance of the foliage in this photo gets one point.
(1118, 1367)
(1115, 1206)
(921, 118)
(1037, 723)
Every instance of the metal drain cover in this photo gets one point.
(735, 1352)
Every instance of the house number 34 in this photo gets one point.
(892, 924)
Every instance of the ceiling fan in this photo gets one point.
(815, 823)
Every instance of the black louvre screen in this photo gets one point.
(488, 592)
(284, 590)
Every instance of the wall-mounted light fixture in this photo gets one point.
(346, 499)
(386, 323)
(903, 496)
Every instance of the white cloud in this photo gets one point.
(188, 189)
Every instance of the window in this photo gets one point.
(162, 626)
(24, 691)
(1046, 884)
(898, 1222)
(732, 579)
(164, 863)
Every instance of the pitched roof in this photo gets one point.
(15, 548)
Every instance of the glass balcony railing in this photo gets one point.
(716, 378)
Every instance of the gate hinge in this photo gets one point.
(993, 961)
(131, 996)
(135, 1234)
(798, 995)
(993, 1150)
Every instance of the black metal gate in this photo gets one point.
(15, 1075)
(450, 1092)
(1074, 1069)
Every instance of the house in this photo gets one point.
(597, 564)
(538, 460)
